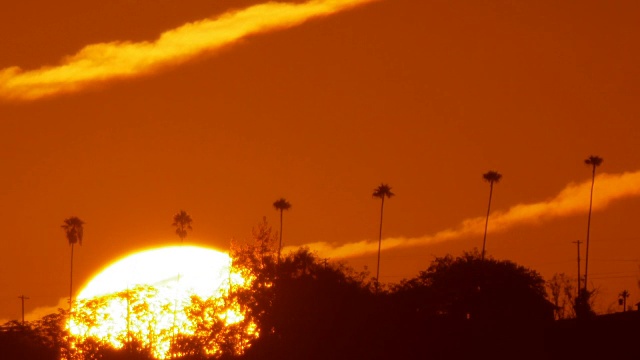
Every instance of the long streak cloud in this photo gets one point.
(572, 200)
(98, 63)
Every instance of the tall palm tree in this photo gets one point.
(182, 221)
(491, 177)
(73, 228)
(623, 296)
(281, 205)
(381, 192)
(594, 162)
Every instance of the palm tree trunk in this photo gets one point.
(71, 279)
(280, 245)
(379, 245)
(486, 224)
(586, 258)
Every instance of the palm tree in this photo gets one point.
(182, 222)
(381, 192)
(594, 162)
(73, 228)
(492, 177)
(281, 205)
(622, 300)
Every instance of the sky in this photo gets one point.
(124, 112)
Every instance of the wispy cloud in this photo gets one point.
(98, 63)
(39, 312)
(573, 199)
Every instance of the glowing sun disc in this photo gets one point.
(197, 270)
(146, 296)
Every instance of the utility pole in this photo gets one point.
(23, 298)
(578, 243)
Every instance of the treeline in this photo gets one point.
(304, 307)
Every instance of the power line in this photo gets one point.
(614, 277)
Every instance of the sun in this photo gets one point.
(202, 271)
(157, 296)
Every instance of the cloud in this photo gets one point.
(42, 311)
(573, 199)
(39, 312)
(99, 63)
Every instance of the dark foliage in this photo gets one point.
(309, 308)
(24, 342)
(315, 311)
(582, 304)
(467, 306)
(456, 308)
(612, 336)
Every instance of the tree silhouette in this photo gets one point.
(562, 294)
(312, 310)
(73, 228)
(381, 192)
(32, 339)
(443, 310)
(182, 221)
(491, 177)
(509, 292)
(281, 205)
(594, 162)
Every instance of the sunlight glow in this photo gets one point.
(160, 297)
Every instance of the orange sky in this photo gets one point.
(423, 95)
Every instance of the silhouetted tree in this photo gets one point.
(562, 293)
(381, 192)
(182, 221)
(53, 330)
(491, 177)
(216, 332)
(42, 339)
(281, 205)
(594, 162)
(583, 304)
(20, 341)
(73, 228)
(623, 296)
(509, 291)
(255, 261)
(313, 310)
(472, 307)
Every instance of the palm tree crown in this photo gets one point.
(383, 191)
(492, 176)
(281, 205)
(73, 228)
(594, 161)
(182, 222)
